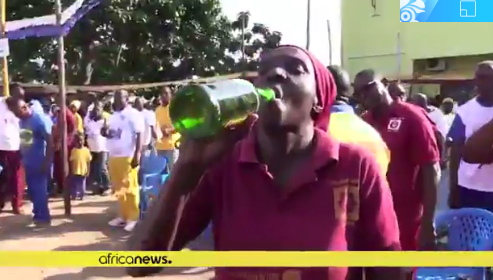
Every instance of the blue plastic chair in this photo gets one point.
(467, 229)
(152, 163)
(154, 174)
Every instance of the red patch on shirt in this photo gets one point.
(394, 124)
(346, 201)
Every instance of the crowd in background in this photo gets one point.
(106, 142)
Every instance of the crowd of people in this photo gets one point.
(307, 172)
(105, 147)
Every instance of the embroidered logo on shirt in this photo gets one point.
(394, 124)
(26, 136)
(346, 201)
(291, 274)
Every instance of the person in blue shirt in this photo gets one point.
(36, 150)
(42, 106)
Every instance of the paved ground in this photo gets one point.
(86, 231)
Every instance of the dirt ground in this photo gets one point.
(87, 230)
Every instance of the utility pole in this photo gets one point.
(329, 33)
(308, 20)
(399, 56)
(62, 103)
(5, 62)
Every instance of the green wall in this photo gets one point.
(369, 39)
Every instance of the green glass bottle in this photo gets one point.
(201, 110)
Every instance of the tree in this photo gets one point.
(248, 43)
(128, 41)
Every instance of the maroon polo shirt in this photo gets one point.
(410, 137)
(337, 201)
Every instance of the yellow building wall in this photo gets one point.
(369, 40)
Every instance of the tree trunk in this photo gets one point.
(87, 66)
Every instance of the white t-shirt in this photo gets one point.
(437, 116)
(123, 127)
(449, 119)
(10, 139)
(470, 117)
(95, 141)
(149, 121)
(88, 113)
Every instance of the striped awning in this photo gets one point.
(46, 26)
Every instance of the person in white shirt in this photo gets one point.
(11, 177)
(149, 117)
(471, 163)
(94, 121)
(448, 109)
(149, 137)
(124, 142)
(435, 114)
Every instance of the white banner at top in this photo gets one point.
(4, 47)
(44, 20)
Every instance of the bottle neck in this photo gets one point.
(266, 93)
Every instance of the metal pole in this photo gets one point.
(62, 124)
(5, 62)
(330, 41)
(342, 48)
(308, 20)
(399, 56)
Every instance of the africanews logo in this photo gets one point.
(410, 9)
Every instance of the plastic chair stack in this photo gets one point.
(154, 173)
(467, 229)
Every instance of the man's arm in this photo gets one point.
(440, 139)
(71, 126)
(377, 228)
(137, 122)
(47, 128)
(457, 135)
(178, 216)
(479, 146)
(138, 147)
(425, 153)
(105, 129)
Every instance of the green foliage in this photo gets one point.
(137, 41)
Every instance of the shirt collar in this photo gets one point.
(390, 113)
(128, 107)
(342, 108)
(326, 149)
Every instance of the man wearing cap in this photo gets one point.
(166, 145)
(74, 107)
